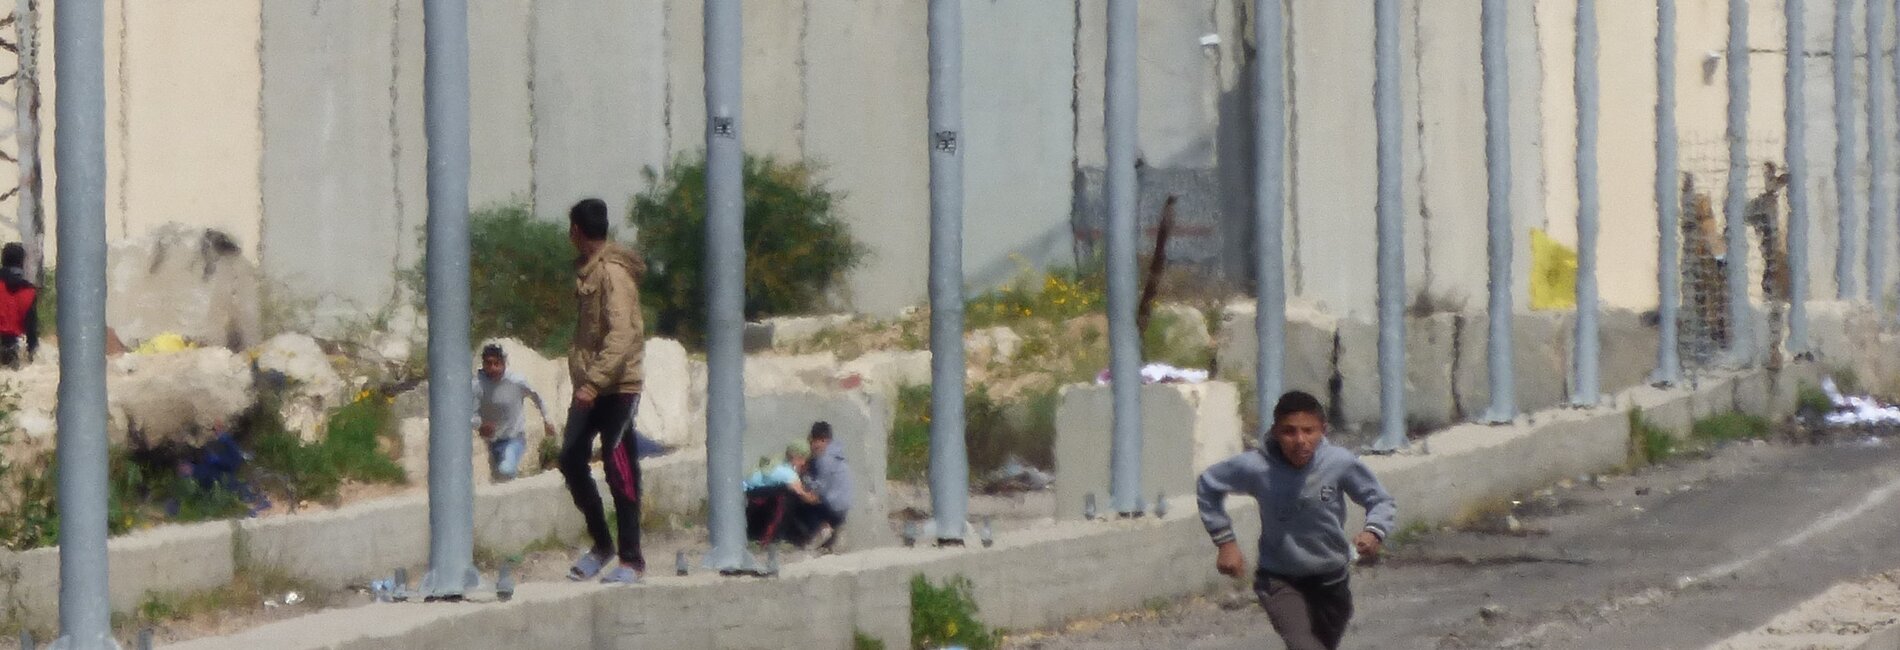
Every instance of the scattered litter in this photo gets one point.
(1857, 409)
(1490, 613)
(1512, 524)
(1642, 491)
(292, 598)
(1161, 373)
(1638, 509)
(1872, 442)
(1685, 488)
(1017, 476)
(271, 603)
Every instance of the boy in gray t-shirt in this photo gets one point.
(499, 417)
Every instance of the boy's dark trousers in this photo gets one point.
(1309, 613)
(611, 421)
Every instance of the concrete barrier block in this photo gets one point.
(1627, 354)
(1357, 362)
(1185, 428)
(860, 424)
(1310, 339)
(513, 515)
(1430, 351)
(776, 373)
(1711, 395)
(1669, 409)
(1540, 350)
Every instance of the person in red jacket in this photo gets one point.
(19, 311)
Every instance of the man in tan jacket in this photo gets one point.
(605, 365)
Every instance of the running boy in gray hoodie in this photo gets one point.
(1301, 483)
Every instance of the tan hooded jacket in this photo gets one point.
(609, 338)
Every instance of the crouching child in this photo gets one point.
(1301, 483)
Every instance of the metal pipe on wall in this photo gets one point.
(1796, 115)
(1735, 205)
(85, 613)
(725, 289)
(1269, 187)
(1499, 243)
(1390, 226)
(1587, 389)
(1846, 161)
(1124, 340)
(1668, 203)
(451, 480)
(949, 460)
(1876, 154)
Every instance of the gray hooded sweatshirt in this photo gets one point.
(1302, 510)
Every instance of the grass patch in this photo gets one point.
(945, 615)
(1811, 401)
(1730, 427)
(1408, 535)
(910, 436)
(1649, 444)
(350, 449)
(862, 641)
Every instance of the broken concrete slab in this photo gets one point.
(194, 282)
(1185, 428)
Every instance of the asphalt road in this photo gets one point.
(1681, 555)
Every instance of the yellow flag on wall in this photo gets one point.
(1553, 273)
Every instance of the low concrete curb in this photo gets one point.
(1030, 579)
(348, 545)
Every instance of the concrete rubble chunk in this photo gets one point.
(992, 344)
(182, 396)
(666, 413)
(312, 386)
(195, 282)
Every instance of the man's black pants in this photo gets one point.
(610, 419)
(1309, 613)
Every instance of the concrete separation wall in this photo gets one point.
(1031, 579)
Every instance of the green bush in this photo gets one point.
(797, 247)
(520, 280)
(945, 616)
(862, 641)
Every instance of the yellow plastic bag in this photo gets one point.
(164, 343)
(1553, 273)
